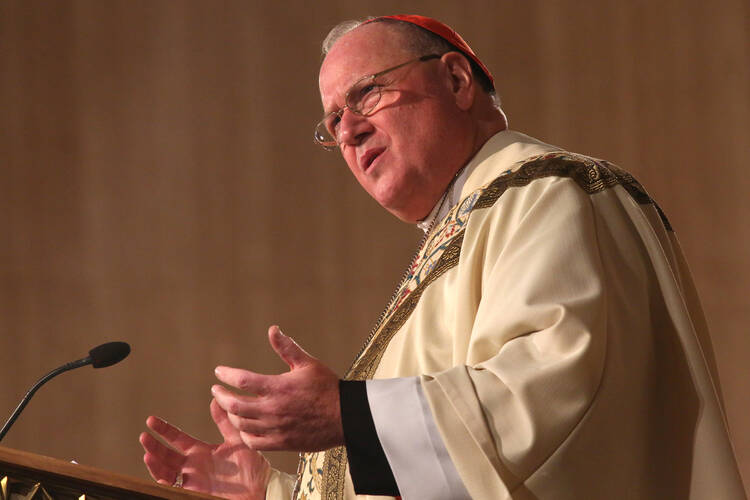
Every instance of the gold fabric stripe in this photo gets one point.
(334, 474)
(364, 368)
(334, 464)
(592, 175)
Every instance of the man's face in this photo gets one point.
(405, 153)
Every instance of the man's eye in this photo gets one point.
(367, 89)
(332, 123)
(365, 97)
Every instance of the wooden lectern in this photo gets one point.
(28, 476)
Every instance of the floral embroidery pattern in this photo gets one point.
(310, 482)
(434, 247)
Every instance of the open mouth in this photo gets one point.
(369, 158)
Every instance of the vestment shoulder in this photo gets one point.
(592, 175)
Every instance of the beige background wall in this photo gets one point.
(158, 185)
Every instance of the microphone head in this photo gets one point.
(108, 354)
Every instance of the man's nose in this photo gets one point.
(353, 128)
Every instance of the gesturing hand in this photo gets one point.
(229, 470)
(298, 410)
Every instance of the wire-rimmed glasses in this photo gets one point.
(361, 98)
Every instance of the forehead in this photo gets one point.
(363, 51)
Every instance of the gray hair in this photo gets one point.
(419, 41)
(338, 31)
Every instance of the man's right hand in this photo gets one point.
(230, 470)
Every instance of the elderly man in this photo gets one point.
(545, 342)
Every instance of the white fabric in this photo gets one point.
(411, 442)
(559, 341)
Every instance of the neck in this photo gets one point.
(488, 123)
(445, 203)
(483, 126)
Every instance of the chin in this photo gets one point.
(392, 207)
(400, 199)
(404, 217)
(405, 213)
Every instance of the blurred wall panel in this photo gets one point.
(159, 185)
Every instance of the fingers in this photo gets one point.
(252, 426)
(221, 419)
(234, 417)
(162, 462)
(245, 380)
(236, 404)
(262, 443)
(287, 349)
(256, 383)
(179, 440)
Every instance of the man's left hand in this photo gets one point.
(298, 410)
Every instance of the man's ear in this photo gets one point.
(462, 80)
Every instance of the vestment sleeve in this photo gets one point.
(538, 340)
(369, 468)
(406, 429)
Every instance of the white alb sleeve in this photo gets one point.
(411, 442)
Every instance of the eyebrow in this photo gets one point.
(378, 74)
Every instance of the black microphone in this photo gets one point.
(104, 355)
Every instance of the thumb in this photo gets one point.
(287, 349)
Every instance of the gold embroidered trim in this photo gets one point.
(334, 474)
(334, 464)
(593, 176)
(364, 368)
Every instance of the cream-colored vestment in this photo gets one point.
(559, 341)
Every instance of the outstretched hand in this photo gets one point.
(298, 410)
(230, 470)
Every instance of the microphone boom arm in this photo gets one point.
(57, 371)
(100, 356)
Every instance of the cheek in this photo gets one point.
(414, 125)
(426, 141)
(350, 158)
